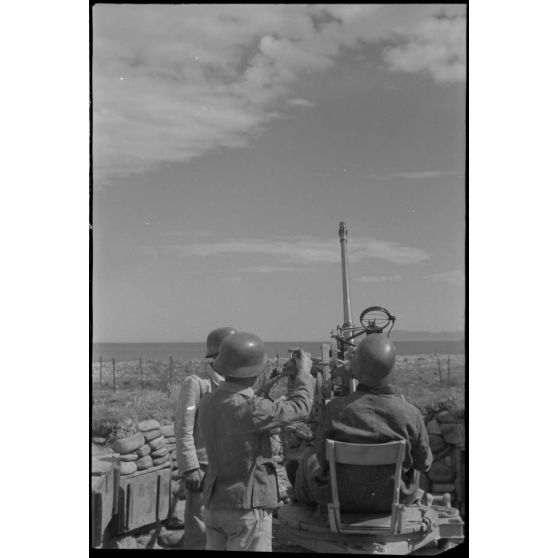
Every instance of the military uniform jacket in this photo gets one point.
(375, 416)
(235, 425)
(190, 450)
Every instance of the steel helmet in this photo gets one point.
(373, 360)
(241, 355)
(215, 338)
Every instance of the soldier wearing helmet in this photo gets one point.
(190, 451)
(241, 486)
(373, 414)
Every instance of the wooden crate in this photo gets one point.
(104, 485)
(143, 498)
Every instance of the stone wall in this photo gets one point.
(446, 432)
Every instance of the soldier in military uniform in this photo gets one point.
(241, 485)
(373, 414)
(190, 451)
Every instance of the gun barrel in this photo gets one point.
(347, 318)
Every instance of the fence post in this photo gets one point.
(101, 371)
(113, 375)
(449, 370)
(141, 374)
(440, 372)
(170, 372)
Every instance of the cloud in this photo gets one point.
(379, 278)
(456, 277)
(171, 82)
(436, 45)
(301, 103)
(307, 251)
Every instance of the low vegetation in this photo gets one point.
(431, 382)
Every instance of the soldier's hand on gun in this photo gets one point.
(193, 480)
(301, 362)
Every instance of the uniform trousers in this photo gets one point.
(248, 530)
(194, 528)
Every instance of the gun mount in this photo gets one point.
(431, 525)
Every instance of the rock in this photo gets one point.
(144, 462)
(143, 450)
(128, 456)
(437, 443)
(129, 444)
(129, 422)
(160, 452)
(167, 430)
(157, 443)
(438, 488)
(160, 460)
(128, 467)
(448, 416)
(441, 473)
(147, 425)
(152, 434)
(170, 439)
(433, 427)
(170, 538)
(98, 440)
(454, 433)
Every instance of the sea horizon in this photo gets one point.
(196, 350)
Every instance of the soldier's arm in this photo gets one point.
(188, 401)
(420, 450)
(296, 407)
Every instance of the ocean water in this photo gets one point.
(188, 351)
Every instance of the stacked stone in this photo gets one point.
(127, 449)
(446, 433)
(155, 451)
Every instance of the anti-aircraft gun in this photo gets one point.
(431, 525)
(333, 378)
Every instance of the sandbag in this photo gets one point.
(152, 434)
(157, 443)
(167, 430)
(437, 443)
(128, 456)
(454, 433)
(129, 444)
(147, 425)
(160, 460)
(144, 462)
(438, 488)
(128, 467)
(433, 427)
(160, 452)
(143, 450)
(171, 446)
(440, 472)
(170, 439)
(455, 415)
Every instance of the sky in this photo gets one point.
(229, 141)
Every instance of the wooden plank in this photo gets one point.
(145, 498)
